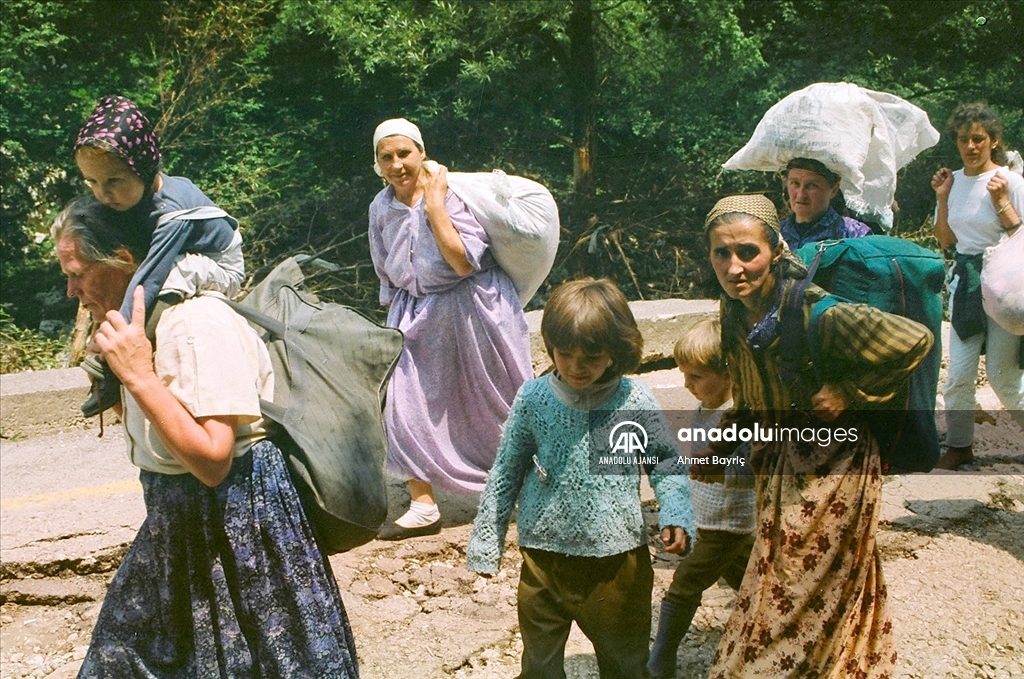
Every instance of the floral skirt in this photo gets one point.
(223, 582)
(813, 602)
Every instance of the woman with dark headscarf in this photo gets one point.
(118, 154)
(812, 190)
(812, 602)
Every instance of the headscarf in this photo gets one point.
(390, 128)
(117, 125)
(766, 330)
(760, 207)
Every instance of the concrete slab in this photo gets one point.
(68, 501)
(41, 402)
(661, 322)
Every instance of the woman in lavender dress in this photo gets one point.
(466, 341)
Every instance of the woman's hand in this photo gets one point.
(436, 189)
(998, 190)
(828, 404)
(942, 182)
(203, 446)
(674, 539)
(449, 243)
(124, 346)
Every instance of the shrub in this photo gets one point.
(22, 349)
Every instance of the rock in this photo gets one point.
(463, 576)
(361, 588)
(420, 576)
(52, 591)
(380, 586)
(487, 597)
(395, 609)
(443, 579)
(390, 565)
(344, 575)
(421, 548)
(440, 603)
(68, 670)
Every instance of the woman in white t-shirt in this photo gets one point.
(977, 207)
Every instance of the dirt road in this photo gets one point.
(952, 547)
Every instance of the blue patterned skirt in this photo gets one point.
(223, 582)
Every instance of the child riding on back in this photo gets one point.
(581, 531)
(191, 245)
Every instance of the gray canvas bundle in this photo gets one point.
(331, 367)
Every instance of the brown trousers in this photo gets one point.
(716, 554)
(608, 597)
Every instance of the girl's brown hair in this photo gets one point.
(593, 315)
(966, 115)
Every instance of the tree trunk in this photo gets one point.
(583, 86)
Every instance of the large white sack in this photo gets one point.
(863, 136)
(520, 217)
(1002, 283)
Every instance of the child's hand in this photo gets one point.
(708, 473)
(674, 539)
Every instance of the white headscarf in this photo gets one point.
(390, 128)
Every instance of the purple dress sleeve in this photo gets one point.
(379, 253)
(473, 236)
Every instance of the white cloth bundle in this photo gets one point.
(520, 217)
(863, 136)
(1002, 283)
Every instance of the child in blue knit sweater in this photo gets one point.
(581, 531)
(723, 506)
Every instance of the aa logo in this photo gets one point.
(628, 438)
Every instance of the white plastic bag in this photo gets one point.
(863, 136)
(1002, 283)
(520, 217)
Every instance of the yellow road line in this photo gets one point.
(71, 494)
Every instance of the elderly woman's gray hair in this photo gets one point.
(99, 232)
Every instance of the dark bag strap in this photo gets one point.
(794, 343)
(799, 356)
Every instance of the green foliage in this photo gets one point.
(22, 349)
(269, 106)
